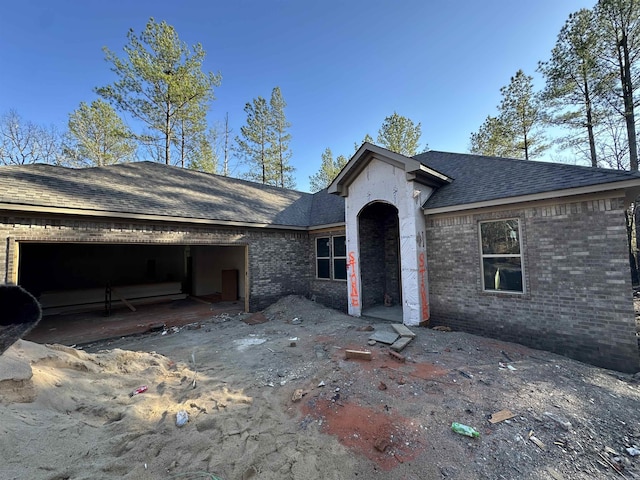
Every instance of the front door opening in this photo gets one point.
(379, 245)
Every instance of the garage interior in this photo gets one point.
(71, 278)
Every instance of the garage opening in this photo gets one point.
(72, 277)
(378, 232)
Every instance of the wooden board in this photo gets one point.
(500, 416)
(357, 354)
(90, 307)
(94, 295)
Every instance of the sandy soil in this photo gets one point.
(278, 400)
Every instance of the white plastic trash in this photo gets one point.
(182, 417)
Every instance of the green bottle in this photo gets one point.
(464, 430)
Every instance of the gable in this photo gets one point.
(414, 170)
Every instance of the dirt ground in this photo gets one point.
(279, 400)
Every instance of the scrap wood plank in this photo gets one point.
(538, 442)
(122, 299)
(501, 415)
(357, 354)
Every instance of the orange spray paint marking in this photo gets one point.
(423, 288)
(353, 291)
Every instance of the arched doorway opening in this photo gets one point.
(379, 246)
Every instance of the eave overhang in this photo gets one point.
(48, 210)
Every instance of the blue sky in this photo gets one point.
(342, 66)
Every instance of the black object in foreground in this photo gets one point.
(19, 313)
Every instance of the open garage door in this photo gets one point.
(66, 277)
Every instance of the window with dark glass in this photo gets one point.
(501, 256)
(340, 258)
(331, 258)
(323, 258)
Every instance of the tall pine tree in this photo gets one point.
(329, 169)
(399, 134)
(575, 82)
(281, 138)
(264, 142)
(160, 80)
(515, 131)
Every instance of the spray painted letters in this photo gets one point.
(353, 281)
(424, 303)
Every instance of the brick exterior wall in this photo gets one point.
(577, 299)
(332, 293)
(277, 266)
(372, 261)
(277, 259)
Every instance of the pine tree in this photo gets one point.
(329, 169)
(264, 142)
(281, 138)
(514, 132)
(255, 141)
(97, 136)
(159, 79)
(574, 82)
(399, 134)
(619, 35)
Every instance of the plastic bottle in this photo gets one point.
(464, 430)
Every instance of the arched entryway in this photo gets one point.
(379, 245)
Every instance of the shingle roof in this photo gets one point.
(154, 189)
(326, 209)
(148, 188)
(478, 178)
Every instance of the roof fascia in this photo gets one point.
(327, 226)
(137, 216)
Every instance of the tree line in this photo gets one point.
(161, 85)
(591, 78)
(590, 94)
(397, 133)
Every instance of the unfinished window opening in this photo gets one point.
(501, 251)
(331, 258)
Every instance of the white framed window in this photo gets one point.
(501, 252)
(331, 258)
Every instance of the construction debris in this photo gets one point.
(402, 330)
(357, 354)
(397, 356)
(384, 337)
(441, 328)
(501, 416)
(399, 344)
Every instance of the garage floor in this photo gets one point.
(79, 328)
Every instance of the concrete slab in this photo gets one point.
(383, 336)
(403, 330)
(401, 343)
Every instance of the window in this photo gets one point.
(331, 258)
(340, 258)
(501, 256)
